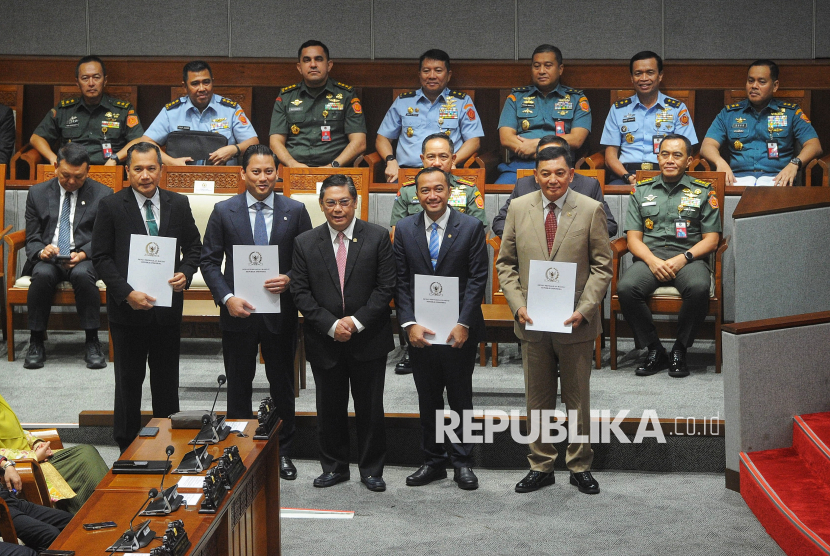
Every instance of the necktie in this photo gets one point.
(63, 234)
(433, 245)
(550, 226)
(341, 264)
(260, 233)
(151, 219)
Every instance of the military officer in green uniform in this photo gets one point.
(105, 126)
(319, 121)
(437, 151)
(673, 223)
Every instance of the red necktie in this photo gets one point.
(341, 264)
(550, 226)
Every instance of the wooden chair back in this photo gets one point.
(475, 175)
(111, 176)
(244, 96)
(686, 96)
(12, 96)
(801, 97)
(7, 530)
(302, 184)
(599, 175)
(120, 92)
(717, 179)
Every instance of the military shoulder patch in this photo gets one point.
(408, 182)
(467, 182)
(408, 94)
(228, 102)
(122, 104)
(702, 183)
(344, 86)
(289, 88)
(69, 102)
(174, 104)
(673, 102)
(458, 94)
(521, 89)
(790, 105)
(735, 106)
(645, 181)
(572, 91)
(622, 103)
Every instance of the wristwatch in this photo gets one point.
(689, 256)
(390, 157)
(8, 463)
(796, 161)
(114, 157)
(335, 164)
(625, 177)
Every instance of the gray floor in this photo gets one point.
(636, 513)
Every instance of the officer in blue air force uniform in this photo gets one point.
(433, 108)
(636, 125)
(202, 110)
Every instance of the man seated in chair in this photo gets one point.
(60, 214)
(202, 110)
(673, 223)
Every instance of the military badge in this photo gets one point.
(629, 138)
(357, 108)
(295, 130)
(132, 121)
(297, 102)
(410, 132)
(525, 125)
(649, 224)
(713, 201)
(738, 145)
(697, 192)
(471, 114)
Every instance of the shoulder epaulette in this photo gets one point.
(623, 102)
(735, 106)
(408, 182)
(465, 181)
(790, 105)
(647, 180)
(673, 102)
(69, 102)
(228, 102)
(343, 86)
(521, 89)
(572, 91)
(289, 88)
(458, 94)
(702, 183)
(122, 104)
(408, 94)
(174, 104)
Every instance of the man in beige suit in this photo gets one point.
(557, 224)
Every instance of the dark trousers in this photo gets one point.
(9, 549)
(37, 526)
(46, 277)
(434, 369)
(240, 352)
(638, 283)
(366, 379)
(136, 347)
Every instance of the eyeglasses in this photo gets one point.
(331, 203)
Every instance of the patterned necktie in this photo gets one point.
(151, 219)
(550, 226)
(433, 245)
(260, 233)
(341, 264)
(63, 234)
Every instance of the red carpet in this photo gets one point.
(788, 489)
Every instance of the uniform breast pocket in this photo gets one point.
(649, 217)
(450, 123)
(737, 133)
(73, 132)
(295, 116)
(630, 127)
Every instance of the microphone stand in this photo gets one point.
(194, 462)
(168, 500)
(215, 430)
(134, 539)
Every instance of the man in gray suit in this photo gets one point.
(59, 218)
(581, 184)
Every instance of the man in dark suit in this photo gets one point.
(59, 218)
(257, 217)
(142, 333)
(442, 242)
(581, 184)
(343, 280)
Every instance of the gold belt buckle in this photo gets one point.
(647, 166)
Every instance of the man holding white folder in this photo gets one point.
(268, 223)
(445, 250)
(143, 331)
(561, 225)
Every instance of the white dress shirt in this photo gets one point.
(155, 208)
(72, 202)
(349, 233)
(557, 207)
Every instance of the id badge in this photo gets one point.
(680, 229)
(655, 143)
(325, 131)
(772, 149)
(107, 147)
(560, 128)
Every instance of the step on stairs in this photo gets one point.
(788, 489)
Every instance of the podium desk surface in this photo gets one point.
(760, 201)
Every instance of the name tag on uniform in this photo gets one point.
(772, 149)
(295, 109)
(629, 118)
(650, 204)
(560, 128)
(325, 133)
(680, 229)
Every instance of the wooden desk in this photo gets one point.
(247, 522)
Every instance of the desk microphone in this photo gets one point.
(133, 539)
(167, 501)
(195, 462)
(215, 429)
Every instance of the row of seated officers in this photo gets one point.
(320, 122)
(341, 276)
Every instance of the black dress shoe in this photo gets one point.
(330, 479)
(535, 480)
(465, 478)
(35, 356)
(404, 366)
(287, 469)
(425, 475)
(656, 361)
(677, 364)
(95, 356)
(375, 484)
(585, 482)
